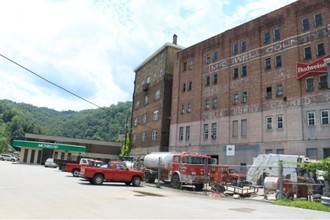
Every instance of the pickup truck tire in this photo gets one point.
(136, 181)
(98, 179)
(75, 172)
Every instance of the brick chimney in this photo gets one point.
(175, 39)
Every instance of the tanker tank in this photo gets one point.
(151, 161)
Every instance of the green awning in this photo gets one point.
(55, 146)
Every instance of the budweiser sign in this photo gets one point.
(318, 66)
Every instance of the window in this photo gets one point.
(215, 56)
(135, 122)
(214, 131)
(181, 134)
(325, 117)
(269, 151)
(187, 133)
(188, 107)
(280, 122)
(269, 123)
(208, 59)
(184, 66)
(243, 46)
(206, 104)
(206, 131)
(144, 118)
(323, 82)
(305, 24)
(318, 19)
(137, 104)
(310, 118)
(207, 81)
(235, 73)
(244, 127)
(155, 115)
(154, 135)
(268, 64)
(279, 90)
(266, 38)
(307, 53)
(214, 102)
(244, 97)
(148, 79)
(146, 100)
(134, 139)
(278, 61)
(183, 87)
(244, 71)
(235, 49)
(143, 137)
(277, 34)
(161, 71)
(157, 94)
(279, 151)
(235, 129)
(215, 78)
(182, 109)
(309, 84)
(320, 49)
(189, 85)
(311, 153)
(268, 92)
(235, 99)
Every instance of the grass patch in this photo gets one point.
(303, 204)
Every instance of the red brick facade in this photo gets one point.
(240, 90)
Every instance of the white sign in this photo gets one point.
(230, 150)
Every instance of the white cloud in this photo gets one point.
(91, 47)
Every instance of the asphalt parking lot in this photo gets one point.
(36, 192)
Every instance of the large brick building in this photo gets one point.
(260, 87)
(152, 101)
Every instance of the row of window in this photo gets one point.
(146, 99)
(309, 83)
(144, 136)
(152, 78)
(242, 47)
(144, 118)
(324, 117)
(210, 130)
(311, 153)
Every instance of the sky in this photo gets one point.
(81, 54)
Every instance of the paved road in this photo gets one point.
(35, 192)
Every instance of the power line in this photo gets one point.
(54, 84)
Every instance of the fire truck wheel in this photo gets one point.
(176, 181)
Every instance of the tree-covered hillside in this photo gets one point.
(106, 124)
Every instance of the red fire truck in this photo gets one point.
(178, 168)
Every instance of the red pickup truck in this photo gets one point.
(115, 171)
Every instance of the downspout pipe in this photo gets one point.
(327, 62)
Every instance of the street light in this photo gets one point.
(327, 62)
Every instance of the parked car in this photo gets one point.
(8, 157)
(50, 163)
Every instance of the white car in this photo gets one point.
(8, 157)
(50, 163)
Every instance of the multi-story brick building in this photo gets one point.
(152, 101)
(244, 91)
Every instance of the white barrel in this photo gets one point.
(271, 183)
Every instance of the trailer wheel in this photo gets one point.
(136, 181)
(199, 187)
(148, 178)
(176, 181)
(98, 179)
(280, 195)
(75, 172)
